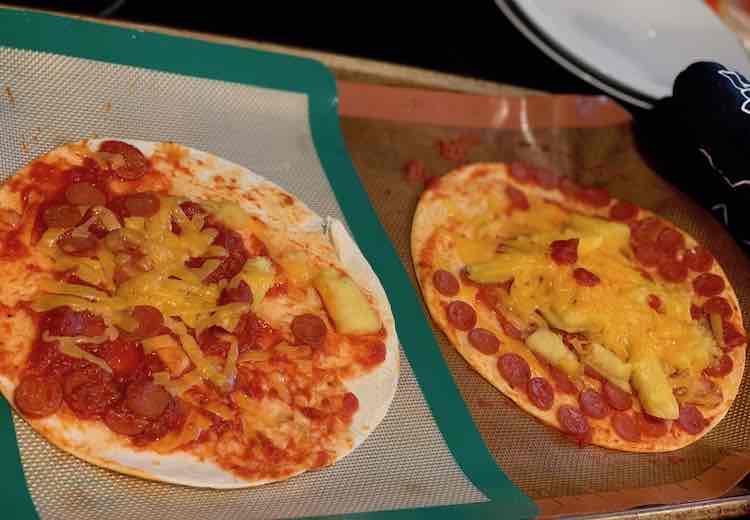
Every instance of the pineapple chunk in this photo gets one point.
(551, 347)
(299, 267)
(346, 304)
(607, 364)
(614, 232)
(258, 274)
(654, 390)
(499, 269)
(472, 251)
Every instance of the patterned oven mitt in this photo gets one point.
(700, 140)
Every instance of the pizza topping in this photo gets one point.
(239, 294)
(143, 204)
(38, 396)
(123, 357)
(552, 349)
(540, 393)
(517, 198)
(673, 270)
(708, 284)
(669, 241)
(564, 252)
(146, 398)
(514, 369)
(346, 304)
(585, 278)
(90, 391)
(691, 420)
(123, 421)
(484, 341)
(509, 326)
(623, 211)
(461, 315)
(701, 392)
(721, 367)
(626, 427)
(562, 381)
(696, 312)
(654, 389)
(646, 253)
(596, 197)
(592, 404)
(78, 245)
(616, 397)
(61, 216)
(731, 336)
(445, 283)
(572, 421)
(128, 162)
(646, 230)
(718, 305)
(655, 302)
(698, 259)
(85, 194)
(150, 321)
(309, 329)
(651, 426)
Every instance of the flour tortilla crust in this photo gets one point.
(196, 175)
(464, 189)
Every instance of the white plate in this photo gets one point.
(632, 50)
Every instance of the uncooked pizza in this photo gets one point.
(597, 317)
(171, 315)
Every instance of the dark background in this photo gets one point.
(470, 38)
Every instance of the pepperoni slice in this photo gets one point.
(349, 404)
(146, 398)
(698, 259)
(61, 216)
(240, 294)
(593, 374)
(626, 427)
(90, 391)
(708, 284)
(691, 419)
(616, 397)
(718, 305)
(596, 197)
(623, 210)
(309, 329)
(572, 420)
(721, 367)
(488, 296)
(123, 357)
(143, 204)
(38, 396)
(592, 404)
(646, 253)
(150, 321)
(78, 245)
(123, 421)
(564, 252)
(484, 341)
(514, 369)
(522, 173)
(654, 302)
(562, 381)
(672, 270)
(508, 328)
(732, 337)
(445, 283)
(585, 277)
(517, 198)
(646, 230)
(85, 194)
(461, 315)
(651, 426)
(669, 241)
(540, 393)
(63, 321)
(134, 164)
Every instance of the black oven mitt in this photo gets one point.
(700, 140)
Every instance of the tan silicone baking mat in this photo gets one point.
(591, 140)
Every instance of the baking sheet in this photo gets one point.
(589, 139)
